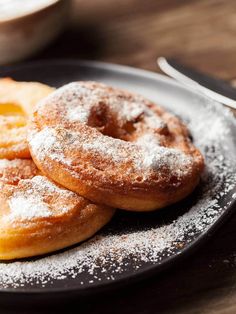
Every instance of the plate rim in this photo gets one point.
(154, 269)
(100, 65)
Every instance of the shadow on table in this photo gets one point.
(82, 42)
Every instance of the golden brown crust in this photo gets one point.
(38, 216)
(114, 147)
(22, 96)
(17, 101)
(13, 142)
(13, 171)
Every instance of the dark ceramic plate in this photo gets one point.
(136, 245)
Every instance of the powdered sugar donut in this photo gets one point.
(113, 147)
(38, 216)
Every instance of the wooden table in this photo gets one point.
(201, 33)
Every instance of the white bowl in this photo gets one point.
(24, 29)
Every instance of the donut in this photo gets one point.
(38, 216)
(113, 147)
(17, 100)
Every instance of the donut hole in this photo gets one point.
(107, 122)
(124, 130)
(102, 119)
(99, 116)
(129, 127)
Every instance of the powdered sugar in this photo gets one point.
(140, 157)
(134, 242)
(154, 156)
(78, 99)
(46, 143)
(12, 171)
(30, 200)
(5, 163)
(27, 207)
(77, 114)
(144, 155)
(131, 112)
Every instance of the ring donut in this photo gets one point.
(114, 147)
(38, 216)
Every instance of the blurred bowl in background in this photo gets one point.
(27, 26)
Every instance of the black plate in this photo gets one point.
(191, 220)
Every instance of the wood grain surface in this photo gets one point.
(201, 33)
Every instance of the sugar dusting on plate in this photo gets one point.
(110, 254)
